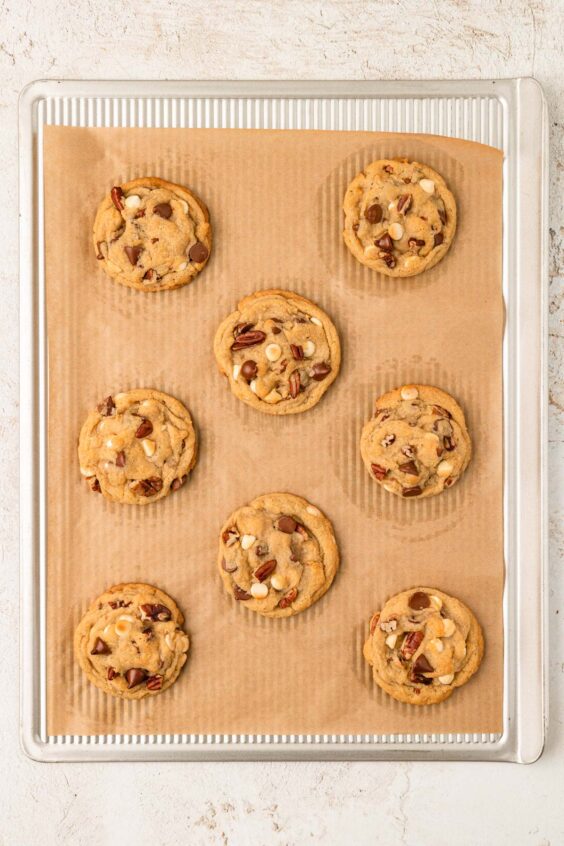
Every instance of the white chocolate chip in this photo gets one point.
(108, 631)
(169, 642)
(182, 266)
(389, 488)
(308, 349)
(448, 627)
(446, 679)
(122, 627)
(311, 509)
(391, 640)
(273, 397)
(437, 602)
(247, 541)
(273, 352)
(436, 644)
(149, 447)
(253, 386)
(278, 581)
(371, 252)
(113, 443)
(395, 231)
(127, 617)
(259, 590)
(184, 206)
(445, 468)
(428, 185)
(409, 393)
(236, 369)
(88, 471)
(391, 206)
(316, 320)
(133, 201)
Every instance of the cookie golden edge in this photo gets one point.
(431, 394)
(203, 232)
(475, 646)
(137, 395)
(350, 203)
(81, 634)
(224, 361)
(318, 524)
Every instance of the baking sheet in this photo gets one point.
(275, 203)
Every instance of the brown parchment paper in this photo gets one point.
(275, 203)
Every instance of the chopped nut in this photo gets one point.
(391, 640)
(389, 626)
(446, 679)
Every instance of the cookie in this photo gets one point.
(417, 443)
(152, 235)
(400, 217)
(137, 446)
(130, 642)
(277, 555)
(422, 645)
(279, 351)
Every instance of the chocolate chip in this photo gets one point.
(177, 483)
(373, 213)
(388, 168)
(149, 274)
(294, 383)
(449, 444)
(240, 594)
(439, 238)
(442, 215)
(389, 259)
(148, 632)
(145, 428)
(379, 472)
(247, 339)
(320, 371)
(276, 330)
(106, 407)
(229, 568)
(100, 647)
(385, 243)
(96, 486)
(241, 328)
(442, 412)
(132, 254)
(163, 210)
(261, 549)
(249, 370)
(421, 665)
(120, 459)
(419, 600)
(415, 491)
(409, 467)
(154, 682)
(404, 203)
(134, 677)
(99, 254)
(415, 242)
(264, 571)
(297, 351)
(198, 252)
(286, 524)
(419, 679)
(117, 197)
(112, 673)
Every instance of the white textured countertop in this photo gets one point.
(337, 803)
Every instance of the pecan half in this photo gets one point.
(288, 598)
(374, 622)
(294, 383)
(177, 483)
(154, 682)
(248, 339)
(297, 351)
(147, 487)
(264, 570)
(240, 594)
(379, 472)
(415, 491)
(155, 612)
(230, 536)
(120, 459)
(404, 203)
(411, 644)
(117, 196)
(320, 371)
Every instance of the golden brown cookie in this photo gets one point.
(279, 351)
(422, 645)
(400, 217)
(137, 446)
(417, 443)
(130, 642)
(277, 555)
(152, 235)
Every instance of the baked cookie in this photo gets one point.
(277, 555)
(137, 446)
(400, 217)
(423, 644)
(152, 235)
(417, 443)
(279, 351)
(130, 642)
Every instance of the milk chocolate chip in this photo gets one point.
(198, 252)
(419, 600)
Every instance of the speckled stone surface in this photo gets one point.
(384, 803)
